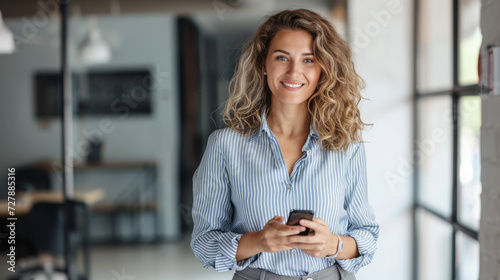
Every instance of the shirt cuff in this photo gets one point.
(366, 249)
(226, 257)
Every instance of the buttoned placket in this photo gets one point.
(280, 160)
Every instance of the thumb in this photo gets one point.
(276, 219)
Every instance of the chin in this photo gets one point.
(291, 101)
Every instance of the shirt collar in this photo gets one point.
(265, 127)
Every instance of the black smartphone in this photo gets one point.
(296, 215)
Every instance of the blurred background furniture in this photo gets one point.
(40, 214)
(136, 198)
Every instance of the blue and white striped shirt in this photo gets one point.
(242, 182)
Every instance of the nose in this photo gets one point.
(294, 69)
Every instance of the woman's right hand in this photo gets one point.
(274, 236)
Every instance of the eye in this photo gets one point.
(281, 58)
(308, 60)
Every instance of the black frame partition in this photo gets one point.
(456, 92)
(70, 214)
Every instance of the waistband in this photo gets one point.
(333, 272)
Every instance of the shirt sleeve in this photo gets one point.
(362, 225)
(212, 242)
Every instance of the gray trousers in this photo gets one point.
(334, 272)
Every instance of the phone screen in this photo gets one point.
(296, 215)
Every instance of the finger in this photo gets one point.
(310, 224)
(276, 220)
(307, 239)
(285, 230)
(319, 221)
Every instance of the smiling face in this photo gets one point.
(292, 69)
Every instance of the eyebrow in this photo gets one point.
(285, 52)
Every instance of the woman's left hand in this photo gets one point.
(319, 243)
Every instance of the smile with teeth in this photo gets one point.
(292, 85)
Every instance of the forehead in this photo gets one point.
(292, 40)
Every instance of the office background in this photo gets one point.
(161, 70)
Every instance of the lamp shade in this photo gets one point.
(94, 50)
(6, 38)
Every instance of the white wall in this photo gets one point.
(153, 137)
(381, 36)
(489, 233)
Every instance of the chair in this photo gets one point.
(42, 229)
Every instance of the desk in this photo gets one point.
(136, 197)
(52, 166)
(26, 200)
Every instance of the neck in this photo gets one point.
(289, 120)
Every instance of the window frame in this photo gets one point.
(456, 93)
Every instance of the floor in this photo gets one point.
(167, 261)
(145, 262)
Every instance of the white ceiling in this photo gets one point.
(248, 14)
(211, 15)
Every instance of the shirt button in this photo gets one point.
(294, 251)
(288, 186)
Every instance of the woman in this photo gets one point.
(292, 142)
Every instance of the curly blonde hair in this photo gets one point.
(333, 108)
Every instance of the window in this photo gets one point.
(446, 143)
